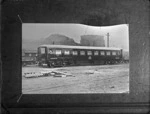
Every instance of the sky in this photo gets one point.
(119, 34)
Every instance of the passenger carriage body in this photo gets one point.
(61, 55)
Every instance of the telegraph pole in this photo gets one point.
(108, 39)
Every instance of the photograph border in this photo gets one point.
(15, 102)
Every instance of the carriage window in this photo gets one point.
(58, 52)
(82, 52)
(42, 50)
(113, 53)
(102, 53)
(75, 53)
(108, 52)
(50, 51)
(89, 52)
(95, 52)
(66, 52)
(30, 54)
(118, 52)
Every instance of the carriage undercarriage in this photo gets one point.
(63, 63)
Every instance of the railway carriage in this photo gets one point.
(62, 55)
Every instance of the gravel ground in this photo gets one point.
(87, 79)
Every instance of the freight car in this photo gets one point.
(29, 57)
(62, 55)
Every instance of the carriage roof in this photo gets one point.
(80, 47)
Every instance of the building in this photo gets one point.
(92, 40)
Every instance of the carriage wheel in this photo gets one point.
(63, 64)
(50, 65)
(39, 64)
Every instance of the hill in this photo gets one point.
(56, 39)
(59, 39)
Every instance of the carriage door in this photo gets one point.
(121, 51)
(42, 54)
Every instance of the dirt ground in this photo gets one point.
(83, 79)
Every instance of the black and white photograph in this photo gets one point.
(74, 58)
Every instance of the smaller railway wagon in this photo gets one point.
(29, 57)
(62, 55)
